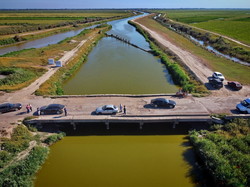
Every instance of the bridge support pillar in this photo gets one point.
(175, 123)
(107, 125)
(74, 125)
(141, 125)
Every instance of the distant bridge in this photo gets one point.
(128, 42)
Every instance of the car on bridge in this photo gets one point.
(8, 107)
(107, 109)
(162, 102)
(244, 106)
(52, 109)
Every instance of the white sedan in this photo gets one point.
(107, 109)
(218, 75)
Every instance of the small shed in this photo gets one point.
(58, 63)
(51, 61)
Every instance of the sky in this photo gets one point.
(85, 4)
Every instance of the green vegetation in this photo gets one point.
(225, 152)
(179, 75)
(18, 142)
(22, 172)
(232, 23)
(54, 138)
(15, 77)
(221, 44)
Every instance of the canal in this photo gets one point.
(114, 67)
(122, 156)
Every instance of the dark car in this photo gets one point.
(234, 85)
(162, 102)
(8, 107)
(52, 109)
(215, 82)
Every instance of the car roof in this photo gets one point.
(159, 99)
(56, 105)
(5, 104)
(109, 106)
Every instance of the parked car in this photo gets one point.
(244, 106)
(234, 85)
(52, 109)
(107, 109)
(162, 102)
(8, 107)
(215, 82)
(218, 75)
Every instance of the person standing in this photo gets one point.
(120, 107)
(65, 111)
(38, 111)
(28, 108)
(124, 110)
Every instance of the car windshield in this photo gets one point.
(245, 103)
(219, 75)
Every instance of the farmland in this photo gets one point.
(232, 23)
(24, 22)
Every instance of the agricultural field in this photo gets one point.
(232, 23)
(25, 22)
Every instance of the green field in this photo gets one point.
(232, 23)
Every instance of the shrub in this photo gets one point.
(54, 138)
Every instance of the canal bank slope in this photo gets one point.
(196, 64)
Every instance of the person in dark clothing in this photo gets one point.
(124, 109)
(65, 111)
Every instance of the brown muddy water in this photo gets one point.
(111, 161)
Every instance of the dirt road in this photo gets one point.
(195, 64)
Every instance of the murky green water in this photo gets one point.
(117, 161)
(114, 67)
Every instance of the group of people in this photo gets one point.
(29, 108)
(124, 109)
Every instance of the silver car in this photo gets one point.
(107, 109)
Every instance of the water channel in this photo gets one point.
(114, 67)
(111, 160)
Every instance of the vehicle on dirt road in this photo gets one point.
(244, 106)
(8, 107)
(107, 109)
(162, 102)
(52, 109)
(234, 85)
(215, 82)
(218, 75)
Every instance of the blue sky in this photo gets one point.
(57, 4)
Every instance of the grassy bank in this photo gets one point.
(231, 70)
(54, 85)
(180, 76)
(225, 152)
(17, 171)
(18, 77)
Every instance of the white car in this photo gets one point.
(244, 106)
(218, 75)
(107, 109)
